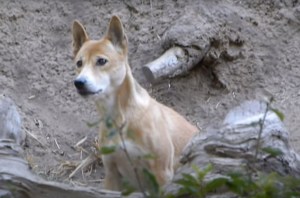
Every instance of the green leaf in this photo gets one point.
(149, 156)
(274, 152)
(278, 113)
(191, 178)
(92, 124)
(187, 180)
(127, 189)
(238, 183)
(184, 182)
(188, 190)
(196, 168)
(188, 186)
(235, 175)
(109, 122)
(215, 184)
(105, 150)
(202, 173)
(150, 177)
(112, 133)
(208, 169)
(130, 134)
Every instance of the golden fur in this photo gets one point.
(150, 127)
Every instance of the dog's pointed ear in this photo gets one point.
(79, 36)
(116, 34)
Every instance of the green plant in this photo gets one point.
(195, 185)
(264, 186)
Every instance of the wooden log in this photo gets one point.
(234, 147)
(186, 43)
(10, 121)
(174, 62)
(169, 64)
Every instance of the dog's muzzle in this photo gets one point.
(82, 89)
(80, 85)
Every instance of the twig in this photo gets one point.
(56, 143)
(151, 10)
(34, 137)
(81, 141)
(250, 169)
(87, 161)
(95, 181)
(261, 126)
(130, 7)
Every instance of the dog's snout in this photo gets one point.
(79, 83)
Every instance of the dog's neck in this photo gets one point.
(129, 98)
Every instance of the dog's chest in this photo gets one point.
(126, 155)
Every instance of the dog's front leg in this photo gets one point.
(113, 179)
(162, 167)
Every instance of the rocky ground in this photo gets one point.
(255, 51)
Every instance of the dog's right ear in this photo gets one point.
(79, 36)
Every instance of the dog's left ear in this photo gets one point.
(115, 33)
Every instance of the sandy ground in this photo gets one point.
(37, 71)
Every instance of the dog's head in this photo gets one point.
(101, 64)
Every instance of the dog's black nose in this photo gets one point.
(79, 83)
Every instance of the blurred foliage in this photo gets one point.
(264, 185)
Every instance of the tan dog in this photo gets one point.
(104, 73)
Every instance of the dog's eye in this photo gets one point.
(101, 61)
(79, 63)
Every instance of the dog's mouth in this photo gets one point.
(85, 92)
